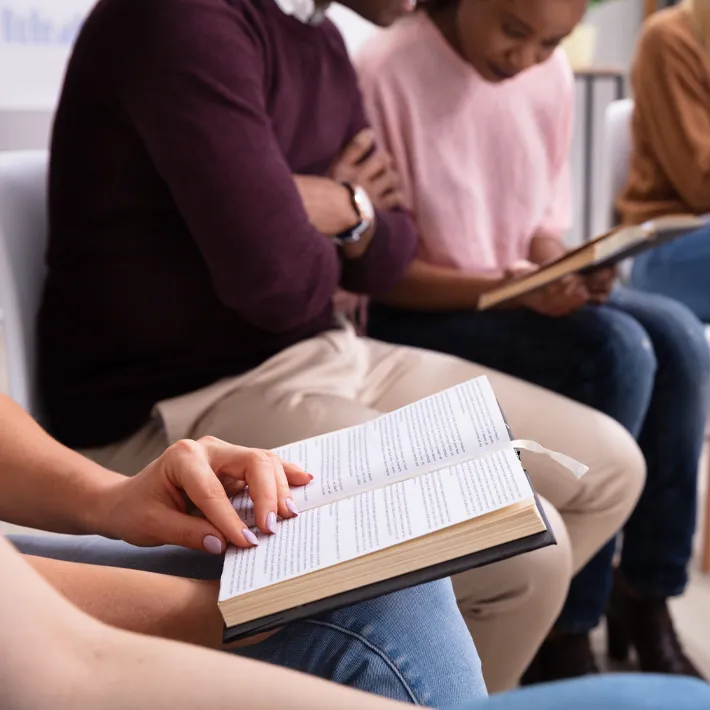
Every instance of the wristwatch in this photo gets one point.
(365, 212)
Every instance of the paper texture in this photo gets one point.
(376, 519)
(445, 429)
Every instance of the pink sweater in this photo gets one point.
(484, 166)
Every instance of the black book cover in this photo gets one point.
(659, 238)
(395, 584)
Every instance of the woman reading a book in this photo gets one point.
(670, 161)
(474, 100)
(411, 646)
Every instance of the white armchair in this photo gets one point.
(23, 239)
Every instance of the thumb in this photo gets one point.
(189, 531)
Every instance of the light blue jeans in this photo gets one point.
(411, 646)
(679, 270)
(612, 692)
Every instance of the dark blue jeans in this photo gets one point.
(678, 270)
(643, 360)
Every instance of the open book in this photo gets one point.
(605, 250)
(426, 491)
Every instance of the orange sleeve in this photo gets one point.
(672, 94)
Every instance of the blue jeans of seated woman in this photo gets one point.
(411, 646)
(643, 360)
(679, 270)
(617, 692)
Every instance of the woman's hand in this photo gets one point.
(152, 508)
(363, 164)
(557, 299)
(600, 284)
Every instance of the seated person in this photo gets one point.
(411, 645)
(670, 160)
(474, 100)
(197, 239)
(97, 666)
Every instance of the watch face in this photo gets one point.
(364, 203)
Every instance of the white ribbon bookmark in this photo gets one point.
(573, 466)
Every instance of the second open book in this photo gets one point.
(606, 250)
(421, 493)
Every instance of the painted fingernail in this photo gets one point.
(310, 477)
(292, 507)
(250, 537)
(212, 544)
(271, 522)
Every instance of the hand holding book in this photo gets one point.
(423, 492)
(600, 283)
(556, 300)
(607, 250)
(153, 508)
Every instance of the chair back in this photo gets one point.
(23, 240)
(616, 154)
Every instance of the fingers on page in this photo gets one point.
(196, 476)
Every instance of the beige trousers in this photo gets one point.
(338, 380)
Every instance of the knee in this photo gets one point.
(418, 645)
(625, 350)
(620, 478)
(535, 583)
(683, 345)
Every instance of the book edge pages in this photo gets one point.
(318, 585)
(570, 263)
(595, 247)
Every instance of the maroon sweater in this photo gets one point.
(180, 252)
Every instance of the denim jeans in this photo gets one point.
(678, 270)
(411, 646)
(643, 360)
(616, 692)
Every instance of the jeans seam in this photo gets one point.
(375, 649)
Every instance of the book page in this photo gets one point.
(447, 428)
(376, 519)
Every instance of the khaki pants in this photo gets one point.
(338, 380)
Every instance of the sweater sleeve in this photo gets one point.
(197, 101)
(673, 101)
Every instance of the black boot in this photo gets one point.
(647, 626)
(561, 656)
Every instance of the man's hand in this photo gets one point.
(152, 508)
(328, 204)
(600, 284)
(363, 164)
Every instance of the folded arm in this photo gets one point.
(205, 125)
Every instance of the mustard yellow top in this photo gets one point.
(670, 164)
